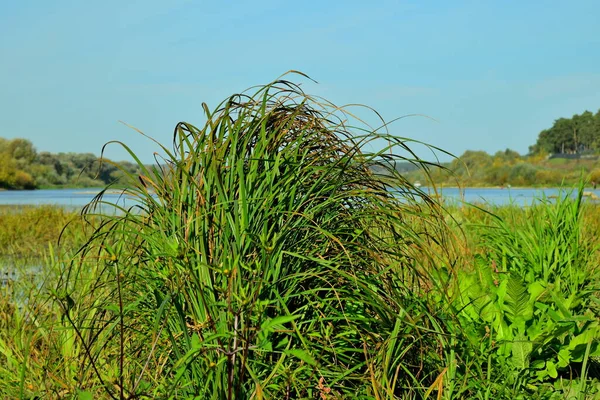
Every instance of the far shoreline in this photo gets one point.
(91, 190)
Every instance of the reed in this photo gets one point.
(265, 259)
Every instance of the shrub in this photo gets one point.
(22, 180)
(523, 174)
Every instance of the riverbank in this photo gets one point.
(271, 262)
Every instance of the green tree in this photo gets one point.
(584, 127)
(22, 150)
(575, 135)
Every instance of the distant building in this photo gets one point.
(569, 156)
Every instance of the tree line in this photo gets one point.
(579, 134)
(509, 168)
(565, 153)
(23, 167)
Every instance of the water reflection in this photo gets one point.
(20, 283)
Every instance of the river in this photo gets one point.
(78, 198)
(505, 196)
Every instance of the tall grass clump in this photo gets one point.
(264, 258)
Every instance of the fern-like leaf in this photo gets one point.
(516, 301)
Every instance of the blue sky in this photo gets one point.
(492, 74)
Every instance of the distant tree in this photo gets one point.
(583, 127)
(22, 150)
(471, 166)
(523, 174)
(23, 180)
(565, 138)
(471, 159)
(11, 177)
(7, 171)
(507, 156)
(578, 134)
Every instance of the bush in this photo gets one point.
(523, 174)
(548, 177)
(22, 180)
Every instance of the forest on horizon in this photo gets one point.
(23, 167)
(562, 154)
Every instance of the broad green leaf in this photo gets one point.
(516, 301)
(521, 349)
(538, 364)
(579, 343)
(551, 369)
(564, 357)
(536, 291)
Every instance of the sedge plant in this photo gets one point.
(267, 255)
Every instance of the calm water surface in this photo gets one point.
(497, 196)
(76, 198)
(80, 197)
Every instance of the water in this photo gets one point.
(6, 276)
(78, 198)
(498, 196)
(75, 198)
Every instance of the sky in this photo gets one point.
(489, 75)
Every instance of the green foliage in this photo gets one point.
(522, 174)
(578, 134)
(532, 293)
(473, 361)
(22, 167)
(265, 259)
(508, 168)
(268, 257)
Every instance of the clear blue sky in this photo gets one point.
(493, 74)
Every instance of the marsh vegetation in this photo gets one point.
(266, 259)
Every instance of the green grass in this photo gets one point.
(27, 230)
(266, 260)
